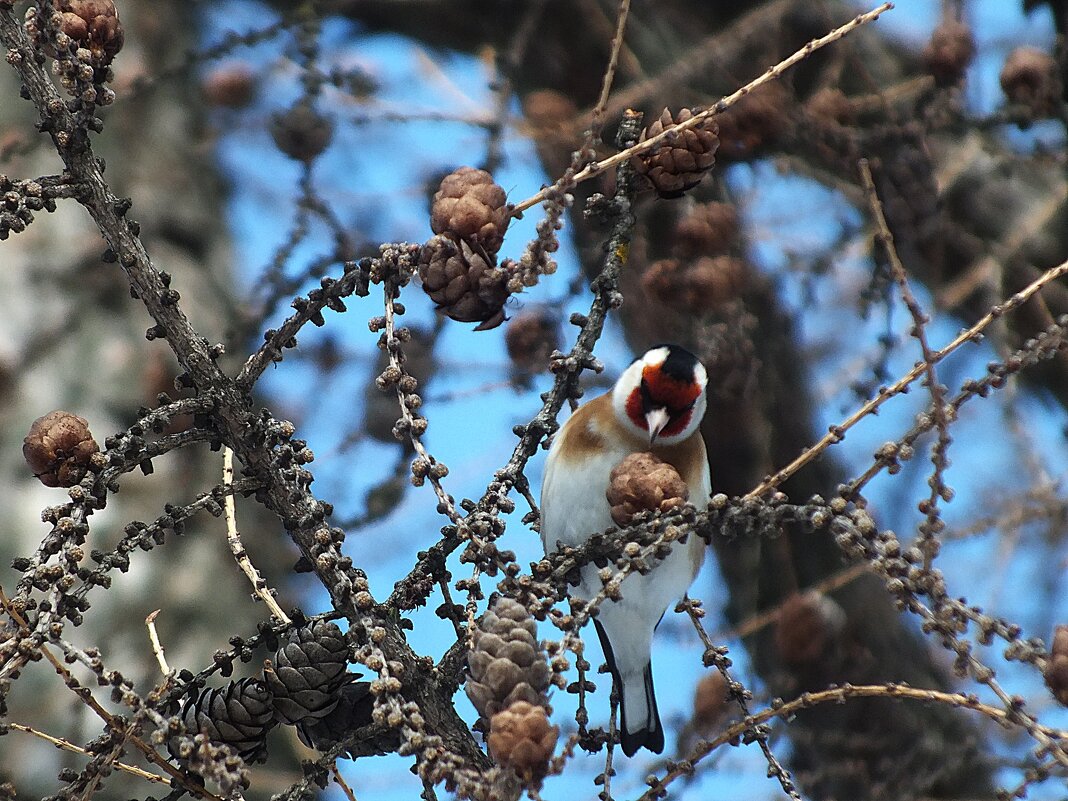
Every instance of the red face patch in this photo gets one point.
(635, 410)
(672, 394)
(659, 390)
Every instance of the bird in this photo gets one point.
(656, 405)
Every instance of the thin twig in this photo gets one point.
(837, 432)
(342, 783)
(834, 695)
(67, 745)
(87, 698)
(157, 647)
(718, 657)
(595, 169)
(928, 541)
(597, 118)
(237, 549)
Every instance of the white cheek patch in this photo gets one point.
(655, 357)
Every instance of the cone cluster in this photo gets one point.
(458, 267)
(701, 275)
(307, 685)
(308, 671)
(644, 483)
(754, 122)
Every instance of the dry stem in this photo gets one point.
(595, 169)
(157, 646)
(837, 432)
(234, 540)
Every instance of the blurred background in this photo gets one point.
(264, 144)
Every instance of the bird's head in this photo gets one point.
(661, 396)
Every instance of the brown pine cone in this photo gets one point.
(698, 287)
(663, 280)
(507, 663)
(708, 230)
(808, 625)
(93, 24)
(548, 110)
(710, 702)
(1029, 78)
(239, 715)
(831, 105)
(308, 670)
(230, 85)
(521, 738)
(355, 708)
(301, 132)
(464, 281)
(678, 163)
(949, 52)
(643, 482)
(754, 122)
(551, 116)
(469, 206)
(58, 448)
(1056, 672)
(530, 337)
(712, 281)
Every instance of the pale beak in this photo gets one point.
(656, 420)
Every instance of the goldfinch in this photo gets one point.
(656, 405)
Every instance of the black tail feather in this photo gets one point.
(652, 734)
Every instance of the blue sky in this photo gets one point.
(373, 174)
